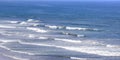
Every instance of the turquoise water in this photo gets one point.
(74, 30)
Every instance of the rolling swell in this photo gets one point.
(31, 36)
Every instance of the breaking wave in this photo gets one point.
(68, 40)
(71, 34)
(36, 29)
(60, 37)
(71, 28)
(6, 26)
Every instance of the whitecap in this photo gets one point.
(75, 28)
(112, 46)
(84, 29)
(54, 27)
(43, 38)
(35, 24)
(76, 58)
(36, 29)
(5, 47)
(23, 23)
(32, 20)
(31, 36)
(71, 28)
(68, 40)
(6, 26)
(6, 41)
(14, 22)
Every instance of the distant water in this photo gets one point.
(68, 30)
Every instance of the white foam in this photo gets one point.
(16, 58)
(14, 22)
(92, 42)
(31, 36)
(76, 58)
(92, 50)
(112, 46)
(6, 41)
(80, 35)
(37, 29)
(5, 47)
(75, 28)
(103, 51)
(43, 38)
(35, 24)
(28, 53)
(54, 27)
(68, 40)
(7, 34)
(78, 28)
(30, 20)
(85, 49)
(23, 23)
(70, 28)
(16, 51)
(6, 26)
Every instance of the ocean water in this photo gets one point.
(60, 30)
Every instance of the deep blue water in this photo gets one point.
(97, 22)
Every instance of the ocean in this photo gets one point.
(59, 30)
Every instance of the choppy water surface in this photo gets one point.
(80, 37)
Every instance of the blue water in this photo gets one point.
(86, 30)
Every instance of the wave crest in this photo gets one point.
(36, 29)
(71, 28)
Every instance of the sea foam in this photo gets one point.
(71, 28)
(85, 49)
(54, 27)
(83, 29)
(68, 40)
(72, 34)
(14, 57)
(36, 29)
(6, 26)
